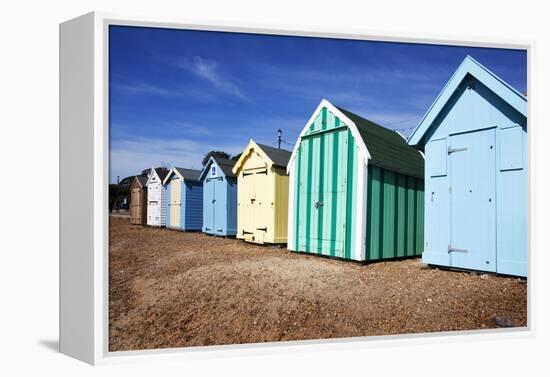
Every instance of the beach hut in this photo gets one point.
(219, 216)
(184, 199)
(156, 197)
(219, 197)
(138, 201)
(356, 189)
(262, 199)
(474, 136)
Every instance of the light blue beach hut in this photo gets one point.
(184, 199)
(474, 137)
(219, 197)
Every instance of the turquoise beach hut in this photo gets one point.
(475, 141)
(219, 197)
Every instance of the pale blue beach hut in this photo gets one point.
(219, 197)
(474, 137)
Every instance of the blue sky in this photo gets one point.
(177, 94)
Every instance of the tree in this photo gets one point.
(236, 157)
(220, 154)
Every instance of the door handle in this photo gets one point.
(318, 204)
(455, 250)
(213, 200)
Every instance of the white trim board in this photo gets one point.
(363, 151)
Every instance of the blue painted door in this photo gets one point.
(209, 200)
(473, 210)
(216, 204)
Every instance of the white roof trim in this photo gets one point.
(170, 172)
(352, 126)
(152, 172)
(468, 66)
(251, 145)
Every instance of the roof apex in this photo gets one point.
(472, 67)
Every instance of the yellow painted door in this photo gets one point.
(262, 205)
(248, 202)
(175, 203)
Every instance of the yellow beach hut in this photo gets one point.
(262, 194)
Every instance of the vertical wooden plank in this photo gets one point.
(389, 215)
(400, 214)
(411, 217)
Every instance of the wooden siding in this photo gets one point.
(184, 207)
(191, 211)
(395, 221)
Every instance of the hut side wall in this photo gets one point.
(231, 206)
(395, 215)
(280, 206)
(191, 208)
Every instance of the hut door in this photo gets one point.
(262, 205)
(175, 202)
(217, 224)
(249, 197)
(209, 204)
(473, 210)
(134, 205)
(323, 186)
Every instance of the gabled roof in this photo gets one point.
(279, 157)
(387, 148)
(142, 180)
(225, 164)
(380, 146)
(276, 157)
(186, 174)
(469, 66)
(159, 172)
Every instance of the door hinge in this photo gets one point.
(453, 150)
(455, 250)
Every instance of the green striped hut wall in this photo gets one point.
(356, 189)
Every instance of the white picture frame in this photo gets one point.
(84, 168)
